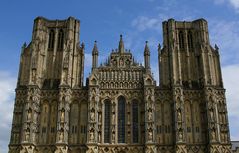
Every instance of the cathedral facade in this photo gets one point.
(120, 109)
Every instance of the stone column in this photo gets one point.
(63, 120)
(30, 119)
(92, 128)
(150, 144)
(179, 124)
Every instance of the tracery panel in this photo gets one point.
(135, 124)
(83, 122)
(107, 122)
(53, 122)
(74, 117)
(121, 119)
(44, 122)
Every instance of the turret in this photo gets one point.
(146, 56)
(159, 59)
(95, 54)
(121, 45)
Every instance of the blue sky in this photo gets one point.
(104, 21)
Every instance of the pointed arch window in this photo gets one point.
(190, 40)
(107, 121)
(181, 40)
(121, 119)
(74, 116)
(60, 42)
(51, 40)
(44, 122)
(53, 121)
(82, 121)
(135, 112)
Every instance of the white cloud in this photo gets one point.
(7, 86)
(235, 3)
(226, 34)
(143, 23)
(232, 3)
(231, 84)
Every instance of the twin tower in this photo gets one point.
(120, 109)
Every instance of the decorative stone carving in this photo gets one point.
(180, 135)
(61, 149)
(61, 135)
(213, 134)
(211, 114)
(92, 139)
(34, 76)
(120, 75)
(113, 118)
(62, 118)
(150, 135)
(150, 115)
(99, 137)
(65, 77)
(92, 115)
(113, 135)
(29, 115)
(27, 135)
(179, 115)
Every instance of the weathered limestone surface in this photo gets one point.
(121, 109)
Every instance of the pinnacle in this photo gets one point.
(121, 44)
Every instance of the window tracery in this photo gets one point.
(121, 119)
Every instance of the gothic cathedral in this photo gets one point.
(120, 109)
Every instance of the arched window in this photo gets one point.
(168, 120)
(107, 122)
(121, 119)
(74, 117)
(188, 117)
(44, 122)
(181, 40)
(60, 40)
(83, 122)
(190, 40)
(53, 121)
(135, 112)
(51, 40)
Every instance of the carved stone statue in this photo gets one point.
(113, 118)
(211, 115)
(150, 115)
(213, 134)
(179, 114)
(29, 115)
(128, 116)
(100, 117)
(62, 115)
(150, 135)
(27, 135)
(64, 76)
(113, 136)
(61, 136)
(180, 135)
(91, 135)
(34, 76)
(99, 137)
(92, 115)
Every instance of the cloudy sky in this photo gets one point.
(104, 21)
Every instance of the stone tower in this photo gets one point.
(190, 69)
(121, 109)
(50, 66)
